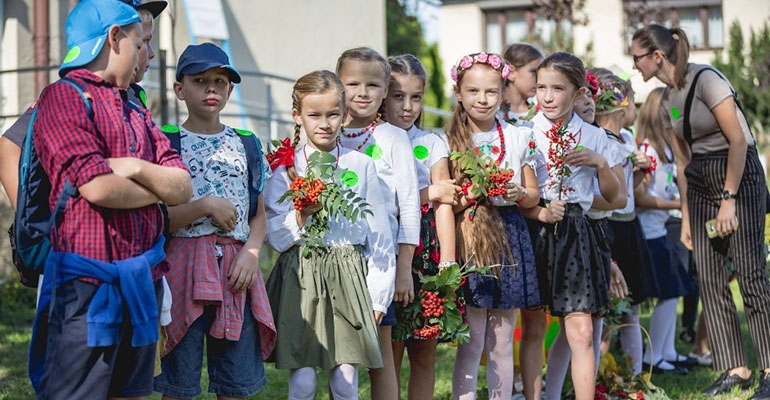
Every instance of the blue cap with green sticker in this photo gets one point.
(88, 26)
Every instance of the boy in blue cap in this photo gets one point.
(213, 255)
(97, 339)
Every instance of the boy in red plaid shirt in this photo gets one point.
(98, 339)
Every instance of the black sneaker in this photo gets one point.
(726, 383)
(763, 389)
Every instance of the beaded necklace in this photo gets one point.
(370, 129)
(501, 156)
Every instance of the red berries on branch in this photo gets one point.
(306, 191)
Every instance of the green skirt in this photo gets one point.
(322, 310)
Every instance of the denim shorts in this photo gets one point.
(235, 368)
(390, 317)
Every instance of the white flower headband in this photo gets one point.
(493, 60)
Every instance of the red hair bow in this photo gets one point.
(283, 155)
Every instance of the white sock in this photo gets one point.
(343, 381)
(302, 382)
(631, 338)
(557, 366)
(660, 326)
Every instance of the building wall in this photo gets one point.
(462, 31)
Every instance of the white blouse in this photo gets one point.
(391, 151)
(663, 186)
(373, 231)
(517, 152)
(581, 178)
(427, 149)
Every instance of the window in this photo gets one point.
(507, 26)
(701, 21)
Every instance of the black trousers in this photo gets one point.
(705, 183)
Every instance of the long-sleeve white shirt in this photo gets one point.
(373, 231)
(581, 179)
(391, 151)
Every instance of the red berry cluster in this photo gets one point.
(499, 179)
(432, 304)
(312, 189)
(427, 332)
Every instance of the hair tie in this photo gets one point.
(673, 33)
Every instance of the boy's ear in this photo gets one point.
(113, 37)
(178, 90)
(295, 116)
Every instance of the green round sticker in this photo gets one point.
(374, 151)
(71, 55)
(421, 152)
(143, 97)
(580, 146)
(349, 179)
(675, 112)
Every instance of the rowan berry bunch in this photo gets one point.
(322, 185)
(432, 304)
(438, 311)
(499, 180)
(306, 191)
(483, 177)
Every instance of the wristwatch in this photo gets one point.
(726, 195)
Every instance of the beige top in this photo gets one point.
(711, 91)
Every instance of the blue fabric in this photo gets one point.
(126, 282)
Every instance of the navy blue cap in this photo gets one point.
(88, 25)
(155, 7)
(203, 57)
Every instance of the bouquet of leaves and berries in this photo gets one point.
(562, 142)
(438, 311)
(486, 177)
(325, 184)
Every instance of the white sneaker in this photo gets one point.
(703, 359)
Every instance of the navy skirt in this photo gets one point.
(516, 284)
(672, 279)
(629, 249)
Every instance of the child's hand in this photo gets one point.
(618, 287)
(640, 160)
(378, 316)
(555, 211)
(584, 156)
(126, 167)
(222, 212)
(444, 191)
(514, 192)
(243, 270)
(404, 286)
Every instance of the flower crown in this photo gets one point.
(609, 98)
(592, 83)
(493, 60)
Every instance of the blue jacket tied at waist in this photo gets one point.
(126, 282)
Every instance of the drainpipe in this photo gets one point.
(40, 41)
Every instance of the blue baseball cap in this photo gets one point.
(87, 28)
(197, 58)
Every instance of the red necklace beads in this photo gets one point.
(370, 129)
(500, 135)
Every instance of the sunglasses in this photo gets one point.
(639, 57)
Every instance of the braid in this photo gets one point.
(291, 171)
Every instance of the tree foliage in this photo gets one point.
(565, 14)
(403, 30)
(748, 69)
(434, 88)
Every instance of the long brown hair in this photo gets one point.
(650, 125)
(482, 240)
(316, 82)
(672, 42)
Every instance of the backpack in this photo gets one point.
(254, 157)
(31, 229)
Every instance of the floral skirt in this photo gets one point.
(413, 321)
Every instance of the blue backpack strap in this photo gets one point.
(172, 133)
(86, 97)
(254, 161)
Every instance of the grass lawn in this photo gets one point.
(17, 310)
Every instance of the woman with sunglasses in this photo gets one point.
(721, 179)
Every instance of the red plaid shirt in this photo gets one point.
(73, 147)
(197, 279)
